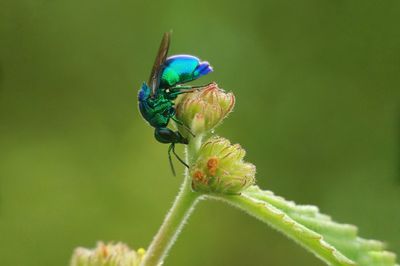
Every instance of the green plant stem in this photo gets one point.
(176, 217)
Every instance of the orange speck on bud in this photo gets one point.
(199, 116)
(212, 165)
(104, 250)
(199, 179)
(198, 175)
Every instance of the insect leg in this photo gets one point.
(174, 94)
(176, 155)
(190, 87)
(181, 89)
(183, 125)
(171, 147)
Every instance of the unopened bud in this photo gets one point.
(203, 110)
(220, 168)
(111, 255)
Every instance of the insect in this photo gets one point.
(156, 97)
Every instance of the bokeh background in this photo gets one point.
(318, 111)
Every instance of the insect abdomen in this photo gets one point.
(181, 69)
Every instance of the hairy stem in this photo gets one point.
(298, 232)
(177, 215)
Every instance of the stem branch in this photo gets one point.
(176, 217)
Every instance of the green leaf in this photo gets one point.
(332, 242)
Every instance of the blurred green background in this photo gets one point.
(318, 111)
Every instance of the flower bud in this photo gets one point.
(203, 110)
(111, 254)
(220, 168)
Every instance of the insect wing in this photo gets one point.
(158, 63)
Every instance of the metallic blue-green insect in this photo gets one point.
(156, 98)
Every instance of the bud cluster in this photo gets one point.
(107, 254)
(220, 168)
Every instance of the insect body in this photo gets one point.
(156, 98)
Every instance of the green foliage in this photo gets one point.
(335, 243)
(318, 104)
(216, 170)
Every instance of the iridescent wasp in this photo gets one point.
(156, 97)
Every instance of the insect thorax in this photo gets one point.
(156, 110)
